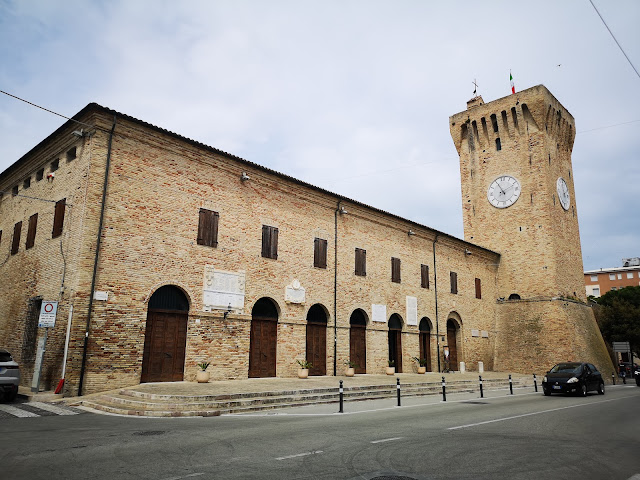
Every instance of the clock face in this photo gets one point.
(503, 191)
(563, 193)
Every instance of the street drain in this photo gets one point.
(148, 433)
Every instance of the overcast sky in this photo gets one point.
(351, 96)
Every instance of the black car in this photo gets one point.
(573, 377)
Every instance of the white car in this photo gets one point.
(9, 376)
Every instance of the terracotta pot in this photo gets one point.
(349, 371)
(303, 372)
(422, 369)
(202, 376)
(391, 370)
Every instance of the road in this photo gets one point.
(521, 436)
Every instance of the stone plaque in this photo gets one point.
(379, 313)
(294, 293)
(222, 288)
(485, 334)
(412, 311)
(475, 333)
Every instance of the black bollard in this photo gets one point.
(510, 385)
(535, 382)
(481, 392)
(398, 389)
(624, 377)
(341, 398)
(444, 390)
(613, 377)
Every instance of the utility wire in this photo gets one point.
(618, 43)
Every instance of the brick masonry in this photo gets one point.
(158, 182)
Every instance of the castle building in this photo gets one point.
(163, 253)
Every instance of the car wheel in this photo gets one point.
(583, 390)
(546, 391)
(601, 388)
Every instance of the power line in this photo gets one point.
(608, 126)
(618, 43)
(45, 109)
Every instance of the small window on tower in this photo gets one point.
(498, 145)
(27, 183)
(40, 174)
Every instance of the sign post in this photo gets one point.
(47, 319)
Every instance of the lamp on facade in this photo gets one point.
(411, 233)
(245, 176)
(224, 315)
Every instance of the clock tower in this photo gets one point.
(518, 199)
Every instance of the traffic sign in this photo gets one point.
(48, 314)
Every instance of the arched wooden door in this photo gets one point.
(452, 329)
(165, 337)
(317, 340)
(263, 339)
(424, 339)
(358, 341)
(395, 341)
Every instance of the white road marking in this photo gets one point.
(16, 412)
(185, 476)
(387, 440)
(535, 413)
(300, 455)
(52, 408)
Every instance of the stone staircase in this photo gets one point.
(129, 401)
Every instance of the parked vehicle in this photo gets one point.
(9, 376)
(637, 375)
(573, 377)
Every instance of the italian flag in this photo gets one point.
(513, 87)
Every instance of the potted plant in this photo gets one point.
(391, 369)
(203, 376)
(303, 371)
(422, 364)
(350, 370)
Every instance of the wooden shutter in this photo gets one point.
(208, 228)
(269, 242)
(320, 253)
(58, 218)
(478, 288)
(31, 232)
(424, 276)
(454, 282)
(361, 262)
(17, 229)
(395, 270)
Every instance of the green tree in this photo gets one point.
(618, 315)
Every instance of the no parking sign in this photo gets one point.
(48, 314)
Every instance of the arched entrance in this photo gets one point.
(395, 341)
(263, 339)
(165, 337)
(317, 339)
(452, 341)
(358, 340)
(424, 339)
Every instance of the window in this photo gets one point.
(0, 237)
(619, 276)
(596, 292)
(594, 278)
(208, 228)
(629, 274)
(612, 276)
(269, 242)
(31, 232)
(424, 276)
(40, 174)
(361, 262)
(498, 144)
(55, 165)
(71, 154)
(58, 218)
(320, 253)
(17, 229)
(494, 122)
(478, 288)
(454, 282)
(27, 183)
(395, 270)
(14, 190)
